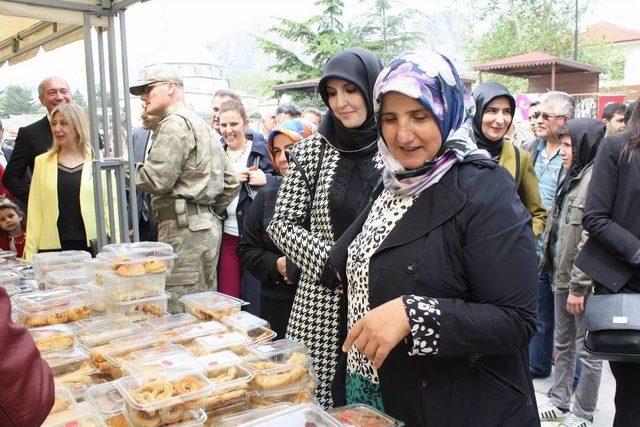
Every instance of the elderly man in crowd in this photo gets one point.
(190, 180)
(34, 139)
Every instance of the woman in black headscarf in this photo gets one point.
(329, 181)
(495, 108)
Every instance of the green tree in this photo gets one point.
(17, 100)
(78, 98)
(521, 26)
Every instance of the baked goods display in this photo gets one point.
(362, 416)
(211, 305)
(52, 338)
(139, 309)
(52, 307)
(163, 397)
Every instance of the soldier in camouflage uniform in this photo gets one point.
(190, 181)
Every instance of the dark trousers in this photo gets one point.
(627, 377)
(276, 309)
(541, 345)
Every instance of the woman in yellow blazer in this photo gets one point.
(494, 115)
(61, 211)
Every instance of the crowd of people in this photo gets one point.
(421, 253)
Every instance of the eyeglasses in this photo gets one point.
(547, 116)
(148, 88)
(535, 114)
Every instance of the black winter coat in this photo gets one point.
(466, 241)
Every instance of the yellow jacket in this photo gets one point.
(42, 213)
(526, 183)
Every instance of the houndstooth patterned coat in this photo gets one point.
(315, 314)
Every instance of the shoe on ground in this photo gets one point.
(573, 421)
(552, 413)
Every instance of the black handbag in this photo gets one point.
(293, 271)
(613, 327)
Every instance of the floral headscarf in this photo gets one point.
(432, 80)
(296, 129)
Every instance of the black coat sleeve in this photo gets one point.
(601, 196)
(499, 265)
(14, 173)
(252, 248)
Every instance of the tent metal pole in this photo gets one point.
(115, 111)
(133, 201)
(65, 5)
(105, 122)
(93, 123)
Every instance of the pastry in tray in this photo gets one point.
(272, 375)
(66, 316)
(52, 340)
(294, 397)
(212, 314)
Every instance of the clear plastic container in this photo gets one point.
(95, 266)
(292, 395)
(127, 258)
(175, 390)
(53, 338)
(296, 416)
(244, 320)
(216, 417)
(105, 398)
(170, 321)
(283, 363)
(188, 418)
(78, 374)
(240, 415)
(157, 359)
(9, 277)
(63, 400)
(53, 307)
(121, 288)
(120, 350)
(81, 415)
(64, 278)
(46, 262)
(230, 380)
(12, 290)
(102, 330)
(118, 419)
(187, 333)
(79, 389)
(63, 362)
(211, 305)
(363, 416)
(140, 309)
(233, 340)
(99, 305)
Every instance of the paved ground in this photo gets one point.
(606, 409)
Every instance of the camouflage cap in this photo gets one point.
(156, 74)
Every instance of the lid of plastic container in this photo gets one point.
(65, 278)
(52, 301)
(8, 277)
(245, 320)
(11, 290)
(190, 418)
(65, 357)
(105, 398)
(105, 329)
(131, 253)
(223, 340)
(296, 416)
(162, 296)
(196, 386)
(211, 301)
(278, 347)
(62, 394)
(363, 415)
(138, 341)
(195, 330)
(170, 321)
(50, 332)
(219, 359)
(62, 257)
(259, 334)
(158, 359)
(242, 417)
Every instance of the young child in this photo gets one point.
(12, 226)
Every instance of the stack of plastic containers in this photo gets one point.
(257, 329)
(134, 283)
(281, 373)
(52, 307)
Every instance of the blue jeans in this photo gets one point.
(541, 345)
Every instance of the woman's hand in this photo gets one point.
(257, 178)
(379, 331)
(281, 263)
(575, 304)
(243, 176)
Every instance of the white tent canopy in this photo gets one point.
(28, 25)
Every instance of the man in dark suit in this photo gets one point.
(34, 139)
(147, 226)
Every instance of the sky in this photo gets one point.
(159, 30)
